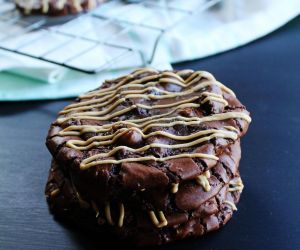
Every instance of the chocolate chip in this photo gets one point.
(185, 168)
(131, 138)
(139, 176)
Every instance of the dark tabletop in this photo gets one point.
(265, 75)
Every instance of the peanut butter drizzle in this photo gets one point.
(86, 163)
(107, 127)
(236, 185)
(139, 94)
(233, 206)
(122, 215)
(134, 123)
(115, 90)
(203, 180)
(183, 120)
(92, 161)
(96, 209)
(109, 99)
(231, 128)
(122, 100)
(207, 173)
(156, 117)
(135, 83)
(159, 224)
(108, 214)
(55, 192)
(184, 72)
(102, 140)
(218, 134)
(110, 94)
(174, 188)
(121, 112)
(216, 99)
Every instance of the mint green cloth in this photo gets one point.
(16, 88)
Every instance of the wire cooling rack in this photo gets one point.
(109, 35)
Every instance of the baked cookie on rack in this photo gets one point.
(56, 7)
(153, 154)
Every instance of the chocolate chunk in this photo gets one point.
(212, 106)
(211, 223)
(208, 208)
(207, 149)
(221, 172)
(159, 140)
(177, 219)
(55, 142)
(131, 138)
(187, 112)
(229, 163)
(192, 227)
(158, 198)
(185, 168)
(54, 130)
(66, 156)
(191, 196)
(139, 176)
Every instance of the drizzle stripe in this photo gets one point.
(102, 140)
(91, 161)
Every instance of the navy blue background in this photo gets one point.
(265, 75)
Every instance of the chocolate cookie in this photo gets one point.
(56, 7)
(154, 143)
(139, 226)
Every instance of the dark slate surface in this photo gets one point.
(265, 76)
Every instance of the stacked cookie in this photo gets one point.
(152, 156)
(55, 7)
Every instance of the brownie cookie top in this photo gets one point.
(149, 129)
(55, 7)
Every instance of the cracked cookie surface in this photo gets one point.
(160, 143)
